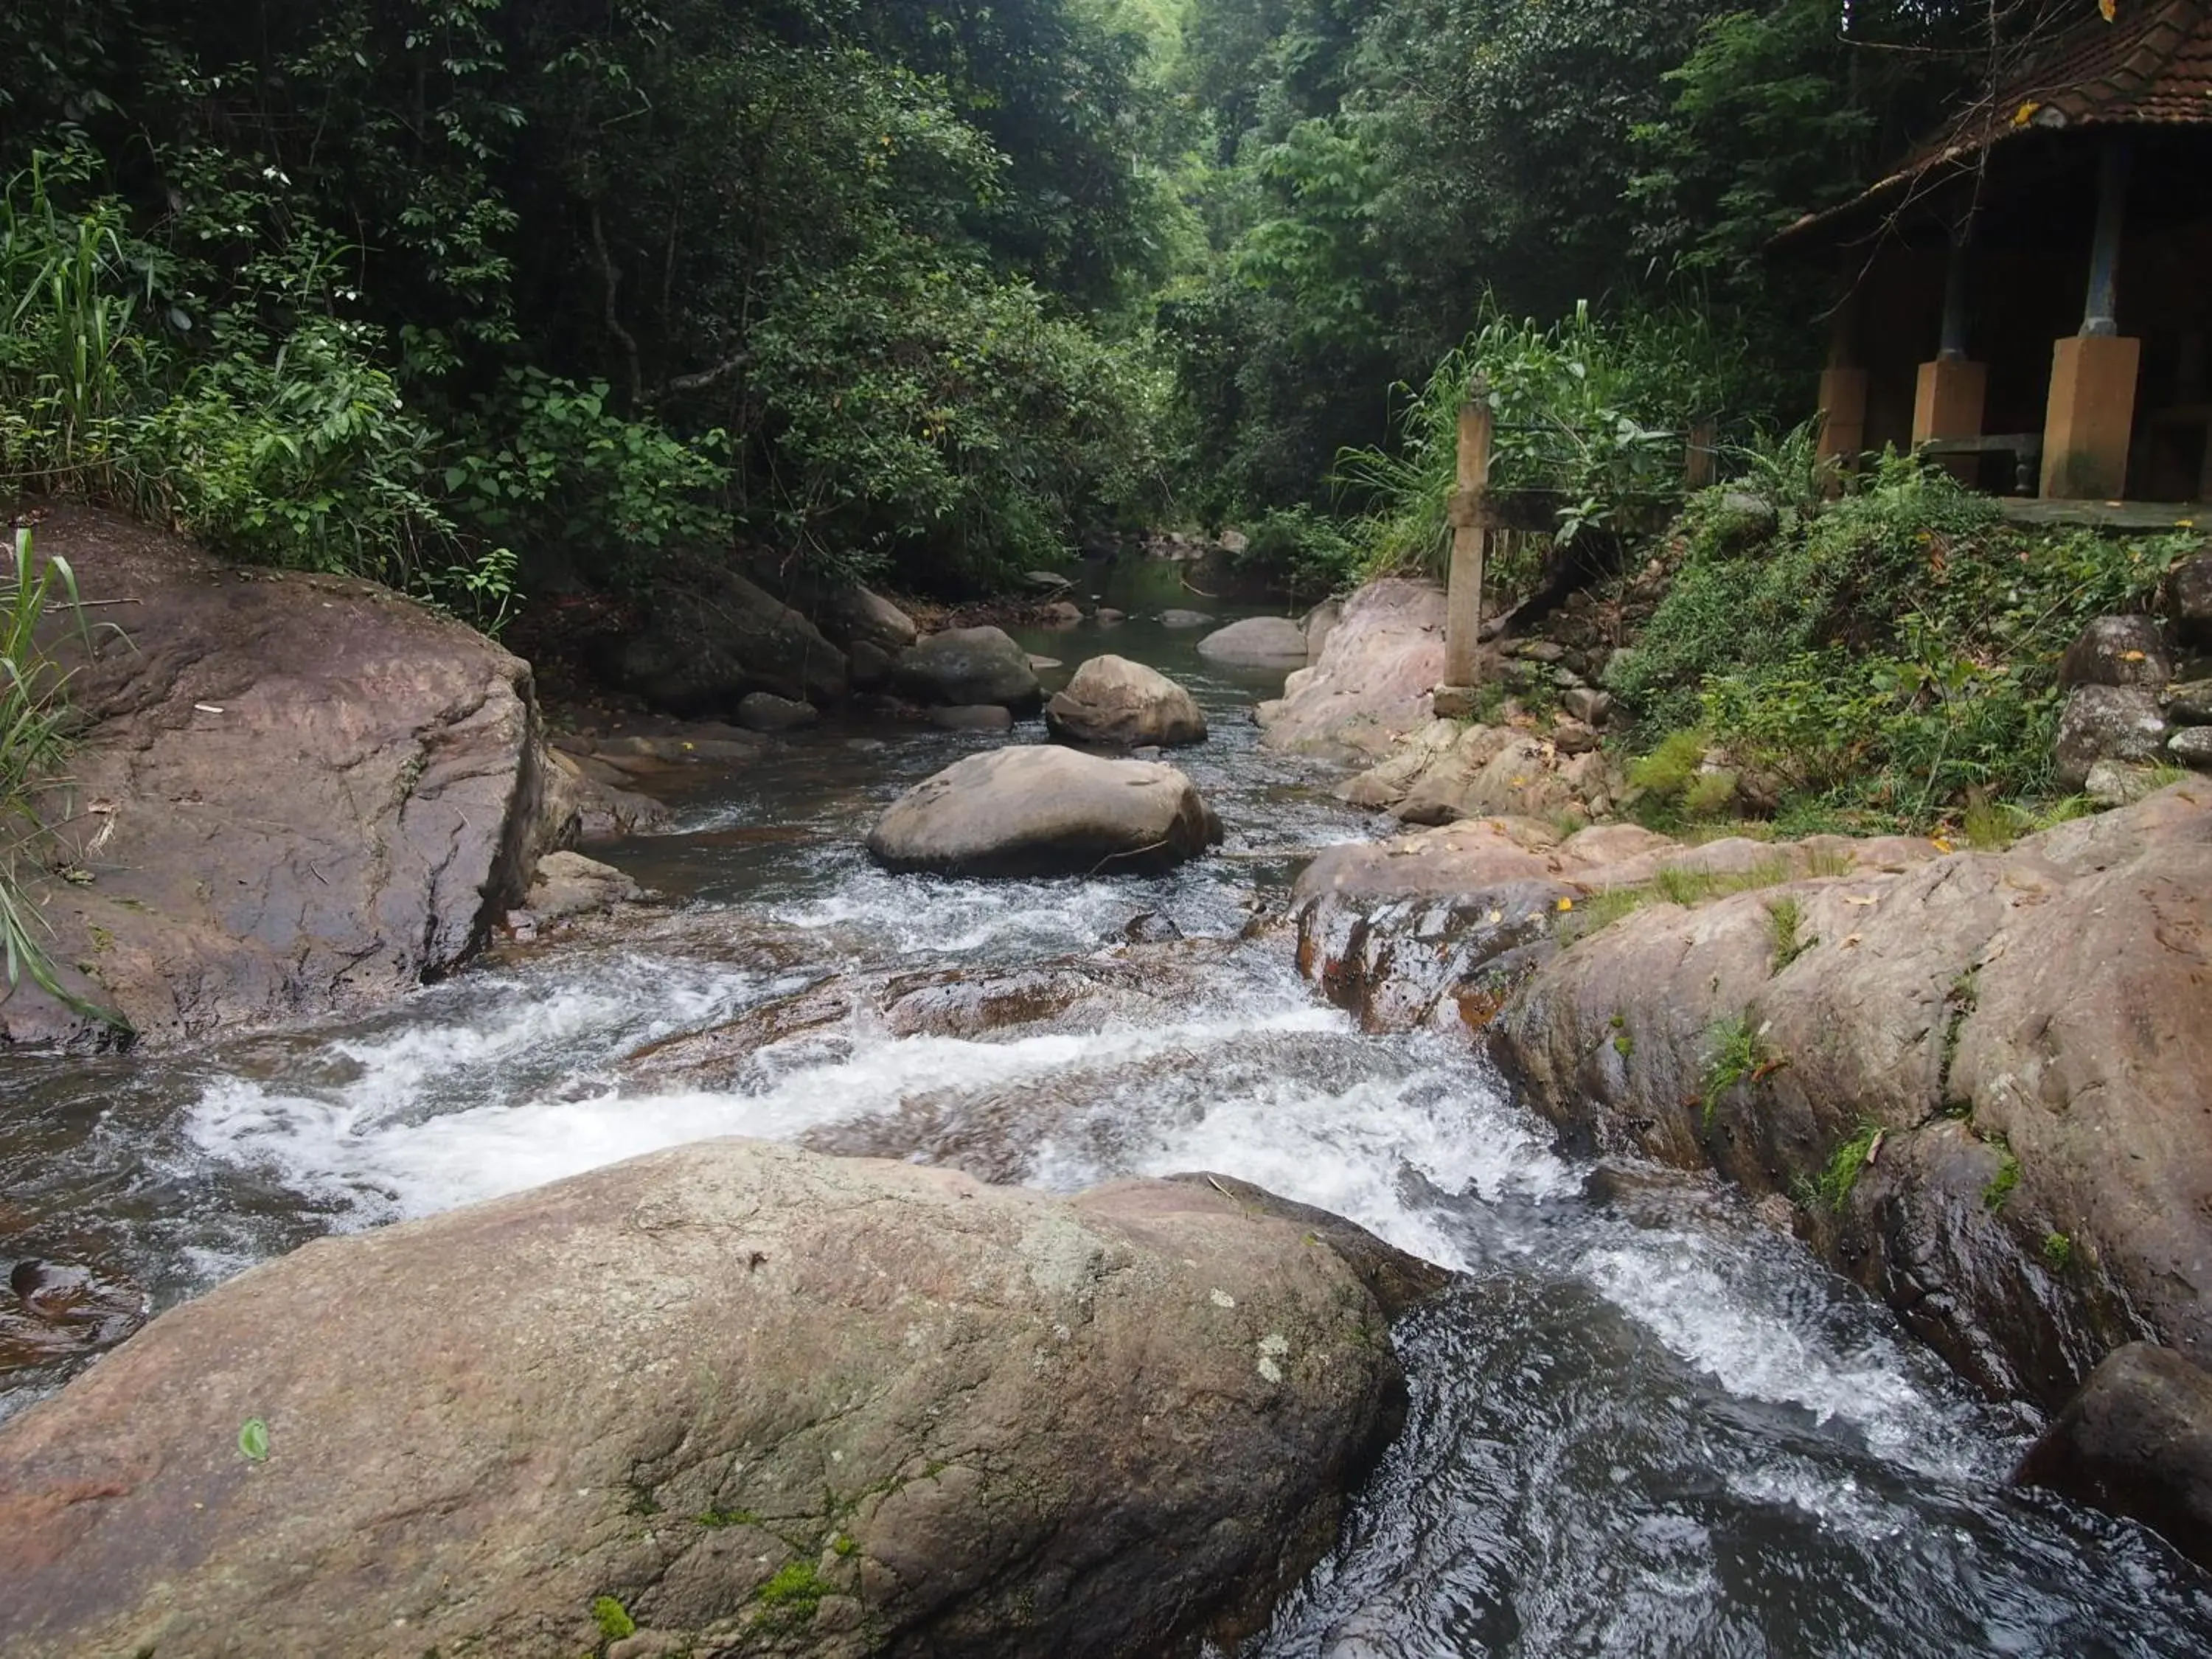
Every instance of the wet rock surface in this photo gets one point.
(1112, 701)
(1261, 640)
(714, 635)
(2013, 1151)
(2106, 723)
(1041, 810)
(759, 1398)
(2136, 1441)
(296, 795)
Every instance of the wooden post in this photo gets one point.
(1701, 456)
(1464, 593)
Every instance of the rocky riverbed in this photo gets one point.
(1641, 1417)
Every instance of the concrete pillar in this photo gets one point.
(2090, 418)
(1843, 409)
(1946, 402)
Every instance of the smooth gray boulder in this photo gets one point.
(1111, 700)
(759, 1400)
(2117, 651)
(2106, 722)
(1261, 641)
(968, 665)
(1178, 619)
(973, 717)
(853, 616)
(1041, 810)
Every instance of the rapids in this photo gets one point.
(1643, 1423)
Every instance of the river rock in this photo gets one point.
(968, 665)
(712, 635)
(2188, 598)
(1040, 810)
(1111, 700)
(1108, 617)
(761, 1400)
(973, 717)
(871, 666)
(853, 616)
(2136, 1441)
(569, 884)
(2116, 783)
(2192, 747)
(1318, 623)
(2106, 722)
(294, 795)
(587, 802)
(1257, 642)
(2117, 651)
(1185, 618)
(2051, 1003)
(764, 711)
(2188, 702)
(1371, 684)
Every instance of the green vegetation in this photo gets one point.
(613, 1618)
(717, 1518)
(472, 297)
(794, 1594)
(1785, 918)
(253, 1440)
(1735, 1053)
(1887, 660)
(1999, 1189)
(2058, 1250)
(1831, 1190)
(33, 738)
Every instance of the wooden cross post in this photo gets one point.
(1701, 457)
(1464, 593)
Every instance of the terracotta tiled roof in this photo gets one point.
(2151, 66)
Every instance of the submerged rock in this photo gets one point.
(756, 1397)
(966, 666)
(1111, 700)
(1039, 810)
(2136, 1441)
(764, 711)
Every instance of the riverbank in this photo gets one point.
(1634, 1385)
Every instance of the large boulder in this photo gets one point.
(294, 795)
(743, 1397)
(1371, 685)
(2117, 651)
(2027, 1032)
(964, 666)
(1111, 700)
(712, 635)
(853, 616)
(1257, 642)
(2136, 1441)
(2106, 723)
(1037, 810)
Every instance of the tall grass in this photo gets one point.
(33, 741)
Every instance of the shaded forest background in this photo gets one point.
(478, 295)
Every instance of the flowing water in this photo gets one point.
(1642, 1423)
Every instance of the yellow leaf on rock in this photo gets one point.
(1566, 904)
(2131, 656)
(1943, 845)
(2107, 9)
(2025, 113)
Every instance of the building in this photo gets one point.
(2029, 296)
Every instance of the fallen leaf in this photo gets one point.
(209, 707)
(1942, 843)
(2107, 9)
(1851, 939)
(1566, 904)
(1853, 898)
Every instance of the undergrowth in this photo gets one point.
(1885, 661)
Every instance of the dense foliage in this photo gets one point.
(1881, 661)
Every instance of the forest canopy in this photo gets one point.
(464, 292)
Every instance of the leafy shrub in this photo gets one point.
(1308, 552)
(1890, 656)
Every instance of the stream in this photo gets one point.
(1643, 1423)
